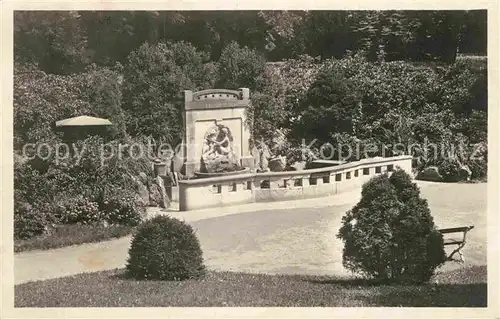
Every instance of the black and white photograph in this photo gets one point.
(250, 158)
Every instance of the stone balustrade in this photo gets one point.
(289, 185)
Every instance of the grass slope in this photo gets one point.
(68, 235)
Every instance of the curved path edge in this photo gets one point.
(67, 261)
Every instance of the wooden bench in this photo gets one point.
(459, 242)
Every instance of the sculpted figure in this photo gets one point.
(217, 144)
(222, 146)
(265, 154)
(217, 152)
(209, 145)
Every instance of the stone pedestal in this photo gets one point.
(248, 161)
(216, 110)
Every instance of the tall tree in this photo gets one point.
(240, 67)
(155, 76)
(55, 40)
(438, 34)
(475, 32)
(414, 35)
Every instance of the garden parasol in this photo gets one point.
(83, 121)
(81, 127)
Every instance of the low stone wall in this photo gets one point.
(277, 186)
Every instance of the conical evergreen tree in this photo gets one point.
(390, 234)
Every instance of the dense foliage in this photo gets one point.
(280, 89)
(390, 234)
(80, 190)
(41, 99)
(331, 103)
(431, 111)
(66, 41)
(155, 78)
(32, 198)
(239, 67)
(165, 248)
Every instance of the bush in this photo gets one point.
(475, 126)
(401, 102)
(280, 90)
(30, 184)
(155, 76)
(68, 192)
(430, 173)
(477, 160)
(101, 87)
(120, 207)
(390, 234)
(78, 210)
(332, 104)
(239, 67)
(300, 154)
(92, 176)
(449, 169)
(267, 106)
(42, 99)
(165, 248)
(32, 220)
(479, 169)
(33, 198)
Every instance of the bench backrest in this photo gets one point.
(455, 230)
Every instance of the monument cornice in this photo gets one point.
(215, 104)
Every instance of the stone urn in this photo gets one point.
(277, 164)
(161, 168)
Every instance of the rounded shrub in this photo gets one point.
(449, 168)
(390, 234)
(479, 169)
(32, 220)
(119, 206)
(33, 202)
(78, 210)
(331, 103)
(478, 161)
(239, 66)
(165, 248)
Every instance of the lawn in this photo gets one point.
(68, 235)
(465, 287)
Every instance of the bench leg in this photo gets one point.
(459, 251)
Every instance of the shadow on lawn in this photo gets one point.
(464, 287)
(439, 295)
(346, 283)
(383, 294)
(122, 275)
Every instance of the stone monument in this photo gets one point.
(216, 133)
